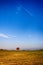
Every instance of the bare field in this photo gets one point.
(21, 57)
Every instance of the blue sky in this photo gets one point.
(21, 24)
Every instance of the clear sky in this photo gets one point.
(21, 24)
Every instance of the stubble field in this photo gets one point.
(21, 57)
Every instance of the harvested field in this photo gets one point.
(21, 57)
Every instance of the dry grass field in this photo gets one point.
(21, 57)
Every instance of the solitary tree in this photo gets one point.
(17, 48)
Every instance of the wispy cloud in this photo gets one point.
(18, 9)
(3, 35)
(6, 36)
(28, 12)
(12, 36)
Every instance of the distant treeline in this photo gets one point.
(21, 50)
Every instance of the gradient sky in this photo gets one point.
(21, 24)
